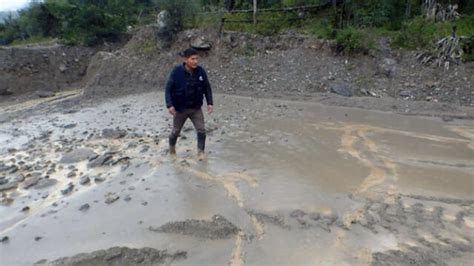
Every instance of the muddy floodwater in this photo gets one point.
(287, 183)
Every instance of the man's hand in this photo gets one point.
(172, 110)
(210, 109)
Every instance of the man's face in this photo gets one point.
(192, 61)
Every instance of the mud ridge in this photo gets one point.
(216, 228)
(119, 256)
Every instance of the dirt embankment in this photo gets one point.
(288, 65)
(30, 69)
(44, 69)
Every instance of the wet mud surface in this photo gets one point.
(283, 183)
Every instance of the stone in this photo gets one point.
(68, 189)
(4, 239)
(71, 174)
(45, 93)
(9, 169)
(446, 118)
(68, 126)
(99, 179)
(62, 68)
(78, 155)
(111, 198)
(114, 133)
(84, 180)
(19, 178)
(405, 93)
(343, 89)
(200, 43)
(45, 182)
(100, 160)
(31, 182)
(387, 67)
(84, 207)
(8, 186)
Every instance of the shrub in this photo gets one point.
(352, 40)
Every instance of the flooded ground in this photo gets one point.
(283, 183)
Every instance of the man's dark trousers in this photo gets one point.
(197, 117)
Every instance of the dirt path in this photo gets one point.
(284, 182)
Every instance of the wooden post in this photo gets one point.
(254, 12)
(334, 9)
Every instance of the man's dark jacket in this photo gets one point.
(185, 90)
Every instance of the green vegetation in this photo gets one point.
(354, 25)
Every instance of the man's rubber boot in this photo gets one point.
(201, 143)
(172, 141)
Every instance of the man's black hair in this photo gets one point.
(188, 52)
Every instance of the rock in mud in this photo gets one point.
(68, 189)
(84, 180)
(71, 174)
(343, 89)
(216, 228)
(19, 178)
(9, 169)
(8, 186)
(119, 256)
(84, 207)
(31, 182)
(45, 93)
(121, 159)
(78, 155)
(45, 183)
(101, 160)
(99, 179)
(111, 133)
(69, 126)
(111, 198)
(297, 214)
(405, 93)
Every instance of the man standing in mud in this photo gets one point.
(186, 87)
